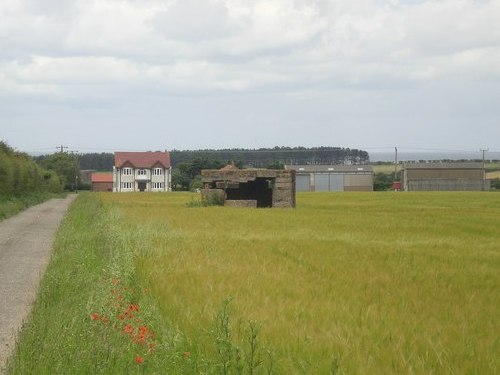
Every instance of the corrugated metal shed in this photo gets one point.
(333, 177)
(444, 177)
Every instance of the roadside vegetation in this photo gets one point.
(23, 183)
(379, 283)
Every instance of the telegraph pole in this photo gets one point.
(61, 148)
(396, 164)
(483, 150)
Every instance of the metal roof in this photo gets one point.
(336, 168)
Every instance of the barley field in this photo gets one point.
(362, 283)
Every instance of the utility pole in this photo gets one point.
(61, 148)
(396, 165)
(483, 150)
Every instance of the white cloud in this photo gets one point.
(118, 50)
(229, 43)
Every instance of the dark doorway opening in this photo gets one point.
(260, 190)
(142, 186)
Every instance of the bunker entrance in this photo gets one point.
(260, 190)
(248, 187)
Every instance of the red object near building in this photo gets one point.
(102, 181)
(396, 185)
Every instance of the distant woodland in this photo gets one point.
(262, 157)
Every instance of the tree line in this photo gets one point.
(263, 157)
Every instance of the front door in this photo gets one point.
(142, 186)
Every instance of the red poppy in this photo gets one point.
(128, 329)
(95, 316)
(139, 359)
(134, 308)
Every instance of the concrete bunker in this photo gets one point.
(249, 187)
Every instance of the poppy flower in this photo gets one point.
(139, 359)
(131, 307)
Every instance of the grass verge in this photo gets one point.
(11, 205)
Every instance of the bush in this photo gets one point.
(383, 181)
(495, 184)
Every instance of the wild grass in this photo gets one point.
(347, 283)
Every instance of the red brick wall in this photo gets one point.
(102, 186)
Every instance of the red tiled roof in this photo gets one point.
(102, 177)
(142, 159)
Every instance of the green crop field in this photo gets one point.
(346, 283)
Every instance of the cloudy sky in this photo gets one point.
(104, 75)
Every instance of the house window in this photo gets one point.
(157, 185)
(141, 172)
(127, 171)
(157, 172)
(126, 185)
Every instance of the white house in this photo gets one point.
(142, 171)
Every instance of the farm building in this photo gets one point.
(444, 177)
(333, 177)
(250, 187)
(142, 171)
(102, 181)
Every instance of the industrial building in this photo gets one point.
(333, 177)
(444, 177)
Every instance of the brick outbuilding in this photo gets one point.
(102, 181)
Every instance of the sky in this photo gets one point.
(107, 75)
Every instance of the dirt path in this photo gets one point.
(25, 247)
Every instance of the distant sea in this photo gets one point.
(428, 156)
